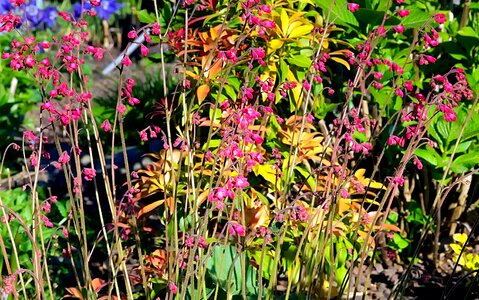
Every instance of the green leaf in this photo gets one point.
(283, 68)
(145, 17)
(443, 128)
(223, 263)
(306, 174)
(429, 154)
(339, 13)
(462, 147)
(465, 162)
(416, 19)
(300, 61)
(374, 17)
(400, 242)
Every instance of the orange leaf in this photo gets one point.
(98, 284)
(390, 227)
(215, 68)
(257, 217)
(74, 293)
(146, 209)
(202, 92)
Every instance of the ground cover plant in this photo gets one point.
(315, 149)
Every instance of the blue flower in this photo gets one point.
(107, 8)
(5, 6)
(34, 14)
(50, 15)
(77, 9)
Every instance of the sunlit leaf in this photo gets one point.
(460, 237)
(341, 61)
(202, 92)
(301, 31)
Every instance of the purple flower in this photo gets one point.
(50, 15)
(107, 8)
(34, 13)
(5, 6)
(77, 9)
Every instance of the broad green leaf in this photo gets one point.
(300, 61)
(145, 17)
(284, 69)
(429, 154)
(230, 92)
(462, 147)
(465, 162)
(374, 17)
(339, 11)
(416, 19)
(400, 241)
(309, 179)
(223, 263)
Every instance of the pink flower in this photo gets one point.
(269, 24)
(417, 162)
(47, 222)
(398, 180)
(144, 50)
(440, 18)
(121, 109)
(353, 7)
(89, 174)
(266, 8)
(132, 34)
(237, 229)
(143, 136)
(133, 101)
(430, 59)
(173, 288)
(64, 158)
(17, 3)
(306, 85)
(378, 75)
(156, 29)
(106, 126)
(126, 61)
(399, 28)
(241, 182)
(403, 13)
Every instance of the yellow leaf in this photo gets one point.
(267, 172)
(202, 92)
(371, 241)
(297, 90)
(341, 61)
(460, 238)
(276, 44)
(456, 248)
(302, 31)
(284, 21)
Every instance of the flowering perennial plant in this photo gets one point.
(251, 184)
